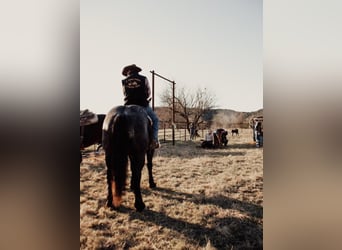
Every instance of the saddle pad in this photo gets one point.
(87, 117)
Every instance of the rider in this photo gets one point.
(136, 89)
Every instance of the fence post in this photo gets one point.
(173, 101)
(152, 89)
(173, 111)
(164, 132)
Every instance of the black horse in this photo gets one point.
(92, 134)
(235, 131)
(127, 134)
(220, 138)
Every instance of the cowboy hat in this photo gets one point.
(132, 67)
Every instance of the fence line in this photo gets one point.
(182, 133)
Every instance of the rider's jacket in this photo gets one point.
(135, 90)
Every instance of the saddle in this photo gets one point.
(87, 117)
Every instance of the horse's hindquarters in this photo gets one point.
(125, 135)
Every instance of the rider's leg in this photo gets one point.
(155, 122)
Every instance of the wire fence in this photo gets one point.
(182, 133)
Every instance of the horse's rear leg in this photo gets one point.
(111, 188)
(149, 167)
(137, 164)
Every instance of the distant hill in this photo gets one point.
(230, 118)
(225, 118)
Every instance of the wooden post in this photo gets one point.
(173, 101)
(164, 132)
(173, 111)
(152, 89)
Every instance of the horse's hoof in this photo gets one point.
(140, 207)
(153, 185)
(109, 205)
(113, 208)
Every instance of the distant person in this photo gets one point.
(192, 132)
(208, 140)
(259, 134)
(136, 89)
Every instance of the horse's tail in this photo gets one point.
(121, 139)
(115, 140)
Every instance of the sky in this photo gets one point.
(209, 44)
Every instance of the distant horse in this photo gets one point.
(235, 131)
(92, 134)
(127, 133)
(220, 138)
(224, 139)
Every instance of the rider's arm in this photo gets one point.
(147, 88)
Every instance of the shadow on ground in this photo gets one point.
(229, 232)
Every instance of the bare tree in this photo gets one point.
(190, 105)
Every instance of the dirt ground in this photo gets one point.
(205, 199)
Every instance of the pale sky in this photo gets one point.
(212, 44)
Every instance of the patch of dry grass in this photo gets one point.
(205, 199)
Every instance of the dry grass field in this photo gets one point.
(205, 199)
